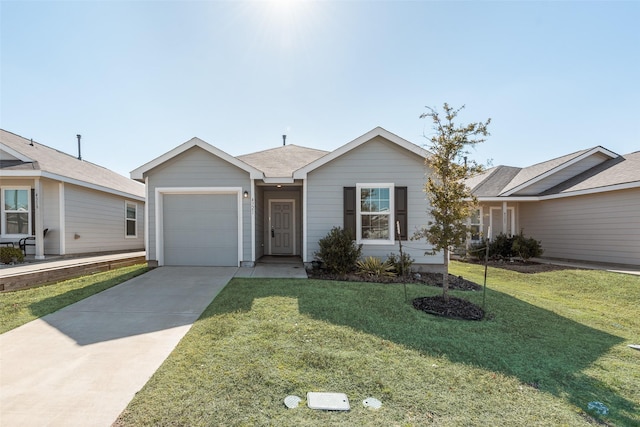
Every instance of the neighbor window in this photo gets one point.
(131, 216)
(475, 223)
(375, 213)
(16, 208)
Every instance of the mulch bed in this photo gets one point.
(528, 267)
(455, 308)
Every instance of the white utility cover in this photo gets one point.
(292, 402)
(328, 401)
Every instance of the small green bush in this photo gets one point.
(526, 247)
(338, 252)
(7, 255)
(501, 247)
(401, 264)
(374, 267)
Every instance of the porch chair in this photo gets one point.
(30, 241)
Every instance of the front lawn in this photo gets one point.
(552, 343)
(22, 306)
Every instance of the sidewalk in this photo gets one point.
(624, 269)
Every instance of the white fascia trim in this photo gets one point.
(61, 178)
(378, 131)
(161, 191)
(15, 154)
(558, 168)
(138, 174)
(277, 180)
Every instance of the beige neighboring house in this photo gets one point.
(584, 206)
(206, 207)
(84, 207)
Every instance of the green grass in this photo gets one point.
(553, 342)
(20, 307)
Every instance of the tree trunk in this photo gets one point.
(445, 276)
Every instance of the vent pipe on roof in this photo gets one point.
(284, 140)
(79, 152)
(31, 142)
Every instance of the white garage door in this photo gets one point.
(200, 229)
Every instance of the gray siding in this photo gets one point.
(198, 168)
(601, 227)
(95, 222)
(51, 216)
(376, 161)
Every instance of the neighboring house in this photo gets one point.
(206, 207)
(84, 207)
(583, 206)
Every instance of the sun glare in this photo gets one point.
(287, 21)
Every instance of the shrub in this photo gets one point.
(7, 255)
(526, 247)
(338, 251)
(477, 250)
(374, 267)
(501, 247)
(401, 264)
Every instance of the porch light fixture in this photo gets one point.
(245, 194)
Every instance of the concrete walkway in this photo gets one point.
(82, 365)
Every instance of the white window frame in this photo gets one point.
(4, 212)
(127, 204)
(391, 240)
(479, 224)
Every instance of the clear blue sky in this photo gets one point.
(137, 78)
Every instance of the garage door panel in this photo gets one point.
(200, 229)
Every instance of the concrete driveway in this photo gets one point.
(83, 364)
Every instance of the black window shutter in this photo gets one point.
(401, 211)
(350, 210)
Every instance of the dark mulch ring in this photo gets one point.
(458, 283)
(455, 308)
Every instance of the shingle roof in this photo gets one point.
(618, 170)
(621, 170)
(54, 162)
(531, 172)
(282, 161)
(492, 182)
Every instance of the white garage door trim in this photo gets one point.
(162, 191)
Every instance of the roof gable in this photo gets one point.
(31, 159)
(536, 179)
(138, 174)
(378, 131)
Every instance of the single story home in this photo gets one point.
(206, 207)
(67, 205)
(584, 206)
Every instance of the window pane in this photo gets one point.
(375, 227)
(131, 212)
(131, 228)
(475, 232)
(17, 223)
(374, 200)
(16, 200)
